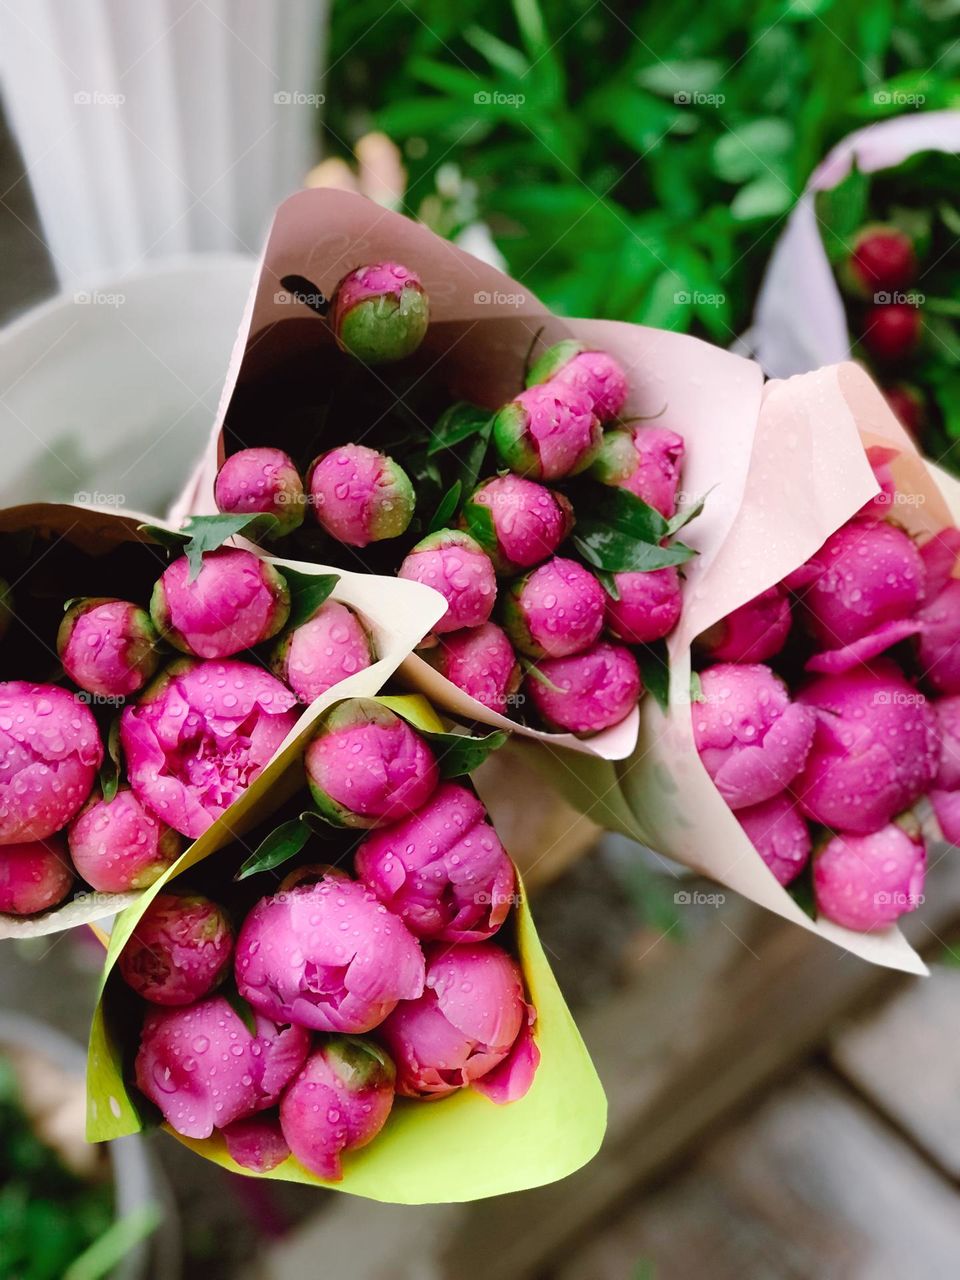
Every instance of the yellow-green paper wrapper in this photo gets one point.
(462, 1147)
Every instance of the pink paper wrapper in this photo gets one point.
(799, 321)
(808, 474)
(482, 325)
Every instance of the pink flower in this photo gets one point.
(527, 521)
(360, 496)
(50, 751)
(756, 631)
(327, 955)
(481, 662)
(554, 610)
(471, 1026)
(751, 738)
(340, 1101)
(875, 750)
(380, 312)
(779, 834)
(252, 481)
(867, 882)
(118, 845)
(947, 712)
(647, 607)
(256, 1142)
(200, 735)
(547, 432)
(366, 766)
(938, 644)
(443, 870)
(588, 691)
(331, 646)
(179, 951)
(108, 647)
(34, 877)
(946, 807)
(235, 602)
(860, 593)
(646, 461)
(452, 563)
(593, 373)
(204, 1069)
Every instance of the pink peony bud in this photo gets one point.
(554, 610)
(751, 738)
(588, 691)
(859, 593)
(947, 712)
(360, 496)
(380, 312)
(236, 601)
(593, 373)
(646, 461)
(647, 606)
(875, 751)
(366, 766)
(878, 508)
(327, 955)
(443, 870)
(108, 647)
(471, 1026)
(204, 1069)
(34, 877)
(118, 845)
(328, 648)
(180, 950)
(256, 1142)
(252, 481)
(938, 644)
(779, 834)
(340, 1101)
(867, 882)
(452, 563)
(50, 751)
(199, 736)
(756, 631)
(527, 521)
(946, 807)
(547, 432)
(481, 662)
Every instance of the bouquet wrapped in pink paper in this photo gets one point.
(811, 725)
(138, 707)
(396, 405)
(289, 1002)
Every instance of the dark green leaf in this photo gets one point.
(842, 211)
(282, 844)
(682, 518)
(608, 582)
(460, 753)
(606, 549)
(533, 671)
(172, 539)
(458, 423)
(308, 591)
(622, 512)
(479, 521)
(445, 511)
(209, 533)
(655, 671)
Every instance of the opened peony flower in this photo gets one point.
(50, 751)
(588, 691)
(526, 522)
(262, 481)
(752, 740)
(180, 950)
(327, 955)
(108, 647)
(443, 870)
(199, 736)
(554, 610)
(452, 563)
(547, 432)
(340, 1101)
(360, 496)
(118, 845)
(204, 1069)
(868, 881)
(779, 834)
(331, 646)
(236, 601)
(34, 877)
(471, 1026)
(756, 631)
(646, 461)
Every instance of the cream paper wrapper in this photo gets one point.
(808, 474)
(396, 613)
(482, 325)
(799, 321)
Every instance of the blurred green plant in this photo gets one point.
(631, 168)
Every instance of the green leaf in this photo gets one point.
(106, 1253)
(172, 539)
(110, 768)
(458, 423)
(655, 672)
(623, 512)
(682, 518)
(765, 197)
(608, 582)
(531, 669)
(460, 753)
(208, 533)
(606, 549)
(679, 76)
(696, 688)
(842, 211)
(752, 149)
(282, 844)
(448, 505)
(479, 521)
(308, 591)
(950, 217)
(502, 56)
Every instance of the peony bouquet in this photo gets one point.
(288, 1005)
(153, 683)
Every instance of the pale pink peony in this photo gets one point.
(119, 845)
(588, 691)
(179, 951)
(108, 647)
(315, 656)
(34, 877)
(867, 882)
(555, 610)
(453, 563)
